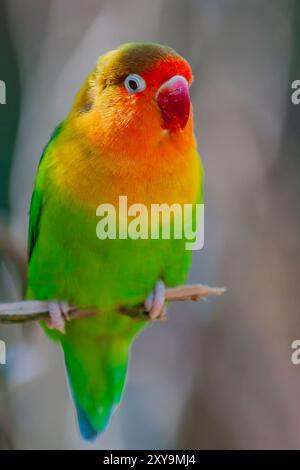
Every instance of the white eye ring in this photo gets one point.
(134, 83)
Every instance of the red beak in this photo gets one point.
(174, 103)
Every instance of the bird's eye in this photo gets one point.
(134, 83)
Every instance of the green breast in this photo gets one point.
(69, 262)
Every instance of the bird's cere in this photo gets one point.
(173, 99)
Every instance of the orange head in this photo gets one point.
(137, 97)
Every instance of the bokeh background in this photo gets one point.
(218, 374)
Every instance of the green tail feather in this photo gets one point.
(97, 374)
(97, 368)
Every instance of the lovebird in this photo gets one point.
(129, 133)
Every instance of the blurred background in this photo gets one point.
(218, 374)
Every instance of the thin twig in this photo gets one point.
(32, 310)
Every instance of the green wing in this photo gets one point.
(37, 202)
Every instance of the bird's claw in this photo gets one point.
(59, 313)
(155, 302)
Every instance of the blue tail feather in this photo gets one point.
(86, 429)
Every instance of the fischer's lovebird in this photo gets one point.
(129, 133)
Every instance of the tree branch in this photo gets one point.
(32, 310)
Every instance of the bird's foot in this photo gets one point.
(59, 312)
(155, 302)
